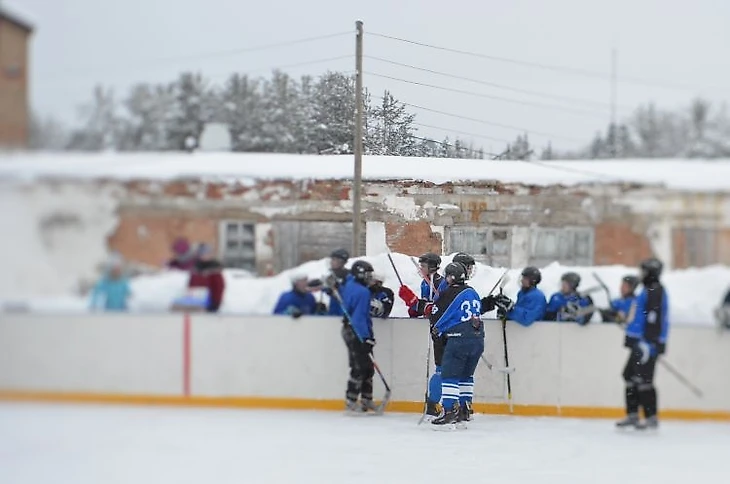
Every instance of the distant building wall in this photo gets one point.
(291, 222)
(14, 67)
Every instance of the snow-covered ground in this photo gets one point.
(242, 167)
(40, 444)
(694, 293)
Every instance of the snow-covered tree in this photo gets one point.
(145, 126)
(100, 124)
(393, 128)
(47, 133)
(334, 113)
(193, 106)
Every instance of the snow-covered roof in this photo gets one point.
(696, 175)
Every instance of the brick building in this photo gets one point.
(264, 213)
(14, 104)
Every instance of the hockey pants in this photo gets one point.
(639, 379)
(362, 370)
(461, 357)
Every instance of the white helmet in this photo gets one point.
(378, 276)
(297, 276)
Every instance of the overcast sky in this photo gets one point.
(670, 42)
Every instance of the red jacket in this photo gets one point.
(208, 273)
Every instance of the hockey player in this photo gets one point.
(336, 278)
(467, 261)
(646, 336)
(723, 313)
(456, 316)
(357, 332)
(430, 264)
(530, 305)
(381, 302)
(568, 304)
(619, 308)
(299, 301)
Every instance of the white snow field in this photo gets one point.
(701, 175)
(41, 444)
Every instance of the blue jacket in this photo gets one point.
(111, 294)
(335, 309)
(356, 299)
(623, 305)
(292, 300)
(641, 328)
(460, 304)
(560, 301)
(529, 307)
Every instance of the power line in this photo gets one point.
(473, 135)
(572, 170)
(550, 67)
(580, 112)
(495, 85)
(221, 53)
(450, 145)
(488, 123)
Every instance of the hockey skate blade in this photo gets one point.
(452, 427)
(357, 414)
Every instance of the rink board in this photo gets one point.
(278, 362)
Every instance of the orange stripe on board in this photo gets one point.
(314, 404)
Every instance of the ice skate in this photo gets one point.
(448, 419)
(466, 412)
(433, 410)
(368, 407)
(631, 420)
(352, 407)
(651, 423)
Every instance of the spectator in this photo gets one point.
(183, 257)
(299, 300)
(112, 291)
(206, 285)
(569, 304)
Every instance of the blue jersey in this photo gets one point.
(439, 283)
(649, 318)
(623, 305)
(356, 299)
(291, 301)
(459, 304)
(555, 310)
(529, 307)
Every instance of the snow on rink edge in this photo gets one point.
(88, 444)
(694, 293)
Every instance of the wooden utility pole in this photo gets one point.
(614, 98)
(357, 147)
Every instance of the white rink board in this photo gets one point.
(556, 365)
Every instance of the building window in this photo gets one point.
(699, 249)
(488, 245)
(571, 246)
(237, 244)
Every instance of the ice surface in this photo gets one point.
(679, 174)
(41, 444)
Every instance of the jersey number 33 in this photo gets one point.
(470, 310)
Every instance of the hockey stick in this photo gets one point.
(386, 397)
(503, 317)
(392, 263)
(434, 289)
(604, 286)
(428, 377)
(682, 379)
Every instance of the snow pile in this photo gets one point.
(673, 173)
(694, 293)
(55, 237)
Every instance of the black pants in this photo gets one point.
(361, 366)
(439, 345)
(639, 378)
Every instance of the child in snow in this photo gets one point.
(112, 291)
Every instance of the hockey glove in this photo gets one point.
(296, 313)
(488, 304)
(408, 296)
(424, 307)
(504, 303)
(370, 342)
(320, 308)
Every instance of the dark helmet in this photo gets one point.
(362, 271)
(651, 269)
(632, 281)
(456, 270)
(532, 274)
(467, 261)
(341, 254)
(572, 278)
(432, 261)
